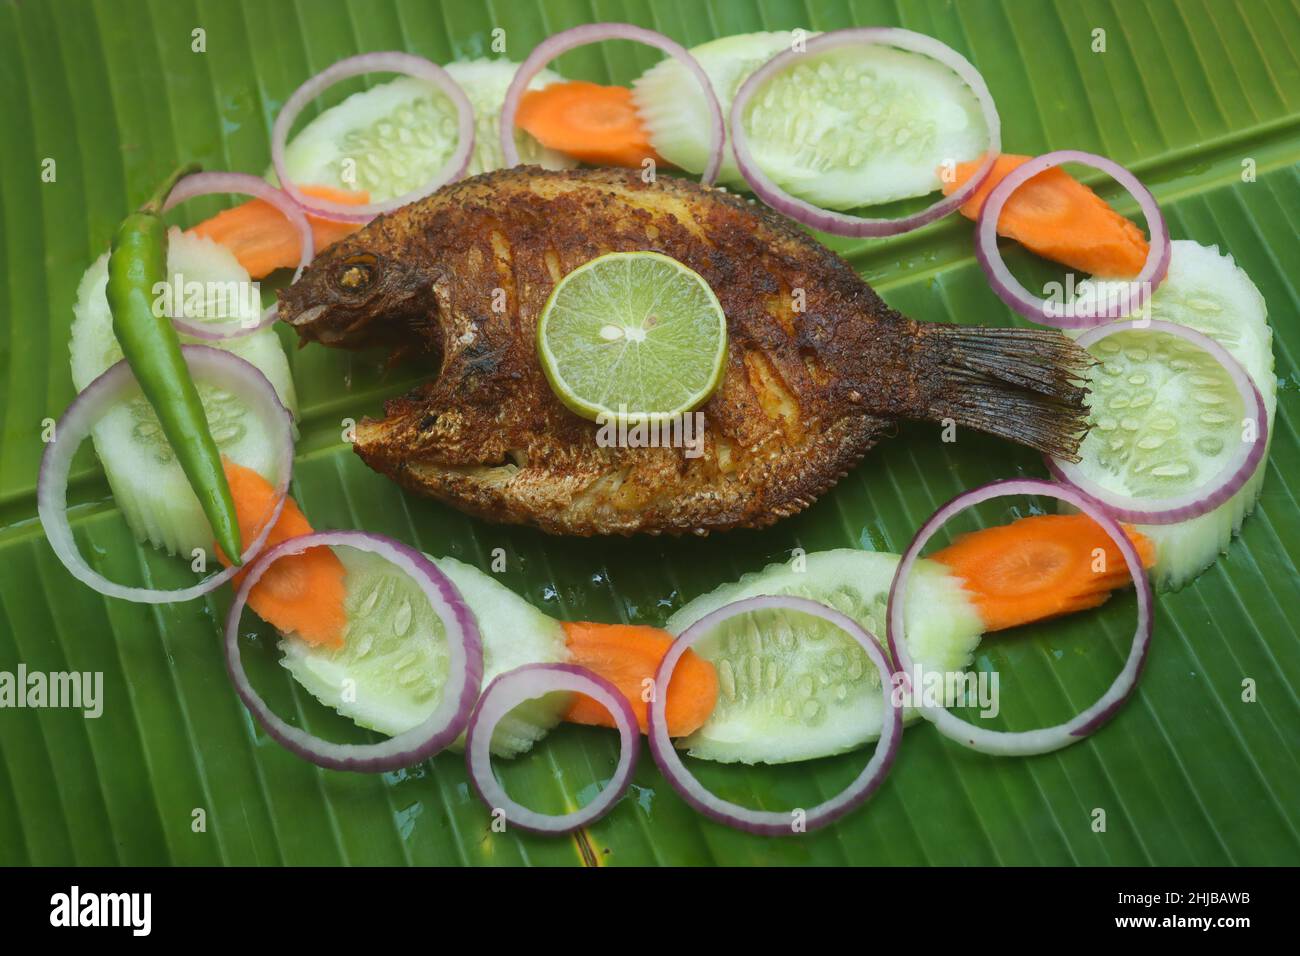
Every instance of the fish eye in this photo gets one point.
(356, 273)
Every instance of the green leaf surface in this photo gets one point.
(1188, 773)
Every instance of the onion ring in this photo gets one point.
(528, 682)
(207, 184)
(566, 40)
(393, 62)
(838, 223)
(1047, 739)
(1236, 471)
(464, 644)
(769, 822)
(100, 397)
(1014, 294)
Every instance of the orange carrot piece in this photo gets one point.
(1059, 218)
(263, 240)
(1040, 567)
(592, 123)
(627, 655)
(300, 593)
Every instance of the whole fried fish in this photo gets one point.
(818, 366)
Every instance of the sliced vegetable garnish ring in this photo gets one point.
(838, 223)
(773, 822)
(566, 40)
(1235, 472)
(465, 655)
(1069, 315)
(1047, 739)
(208, 184)
(392, 62)
(529, 682)
(99, 398)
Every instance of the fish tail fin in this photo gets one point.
(1025, 385)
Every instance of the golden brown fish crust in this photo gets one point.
(817, 367)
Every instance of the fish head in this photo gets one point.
(353, 296)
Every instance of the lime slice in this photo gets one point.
(632, 336)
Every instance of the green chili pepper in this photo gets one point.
(137, 263)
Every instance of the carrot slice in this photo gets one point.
(300, 593)
(1058, 217)
(627, 655)
(1040, 567)
(593, 123)
(263, 240)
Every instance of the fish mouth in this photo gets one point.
(327, 324)
(305, 317)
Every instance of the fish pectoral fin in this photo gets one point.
(382, 443)
(412, 427)
(435, 436)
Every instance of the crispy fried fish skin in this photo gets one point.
(818, 367)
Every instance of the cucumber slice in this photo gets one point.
(842, 129)
(148, 484)
(670, 104)
(1164, 414)
(795, 688)
(400, 133)
(390, 672)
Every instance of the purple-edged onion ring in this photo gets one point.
(207, 184)
(100, 397)
(838, 223)
(1236, 471)
(1047, 739)
(529, 682)
(393, 62)
(772, 822)
(464, 646)
(566, 40)
(1068, 315)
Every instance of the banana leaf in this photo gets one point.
(1200, 98)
